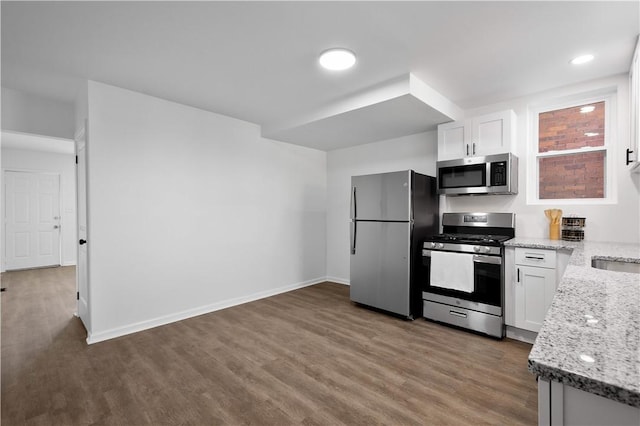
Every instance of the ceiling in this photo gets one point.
(257, 61)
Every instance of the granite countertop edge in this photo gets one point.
(587, 384)
(552, 354)
(542, 243)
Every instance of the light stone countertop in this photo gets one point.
(594, 316)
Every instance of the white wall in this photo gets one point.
(617, 222)
(190, 211)
(26, 113)
(63, 164)
(417, 152)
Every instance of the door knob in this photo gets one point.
(81, 242)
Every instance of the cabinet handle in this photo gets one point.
(629, 161)
(474, 148)
(518, 279)
(534, 257)
(467, 149)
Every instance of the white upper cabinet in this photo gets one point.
(483, 135)
(451, 140)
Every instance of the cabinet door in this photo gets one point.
(451, 140)
(492, 133)
(534, 292)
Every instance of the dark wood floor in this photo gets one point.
(304, 357)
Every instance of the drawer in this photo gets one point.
(465, 318)
(536, 257)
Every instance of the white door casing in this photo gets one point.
(82, 269)
(32, 219)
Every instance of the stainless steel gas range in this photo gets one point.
(463, 271)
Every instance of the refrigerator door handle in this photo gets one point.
(353, 228)
(354, 204)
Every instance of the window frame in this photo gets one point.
(610, 138)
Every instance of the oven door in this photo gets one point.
(487, 292)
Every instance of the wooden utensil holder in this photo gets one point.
(554, 231)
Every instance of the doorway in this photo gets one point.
(32, 219)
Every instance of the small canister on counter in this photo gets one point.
(572, 228)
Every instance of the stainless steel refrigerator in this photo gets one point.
(391, 215)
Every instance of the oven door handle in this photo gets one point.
(496, 260)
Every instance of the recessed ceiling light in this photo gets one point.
(583, 59)
(337, 59)
(586, 109)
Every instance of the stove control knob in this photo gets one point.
(433, 245)
(476, 248)
(440, 245)
(487, 249)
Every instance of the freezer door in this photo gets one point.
(384, 196)
(380, 266)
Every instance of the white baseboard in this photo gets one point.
(338, 280)
(522, 335)
(190, 313)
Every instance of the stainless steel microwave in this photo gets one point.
(491, 174)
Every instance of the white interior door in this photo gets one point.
(82, 269)
(32, 227)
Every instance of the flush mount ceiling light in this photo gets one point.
(586, 109)
(337, 59)
(583, 59)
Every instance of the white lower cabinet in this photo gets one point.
(531, 280)
(563, 405)
(534, 285)
(534, 290)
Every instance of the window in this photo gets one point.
(570, 152)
